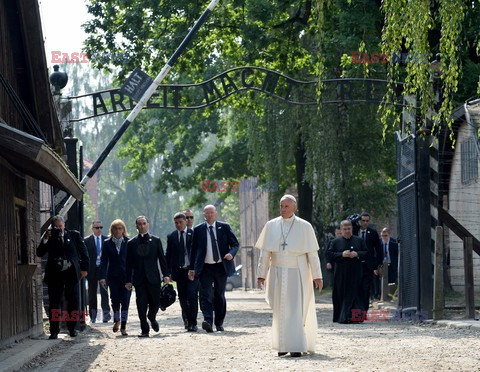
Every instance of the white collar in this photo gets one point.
(288, 219)
(214, 224)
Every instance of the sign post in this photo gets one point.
(135, 87)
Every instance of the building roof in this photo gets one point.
(33, 157)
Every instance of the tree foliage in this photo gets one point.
(335, 153)
(118, 195)
(445, 27)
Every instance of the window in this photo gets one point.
(469, 160)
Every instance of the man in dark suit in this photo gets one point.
(189, 216)
(213, 249)
(94, 243)
(179, 246)
(144, 254)
(390, 253)
(373, 263)
(67, 264)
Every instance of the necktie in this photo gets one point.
(181, 260)
(214, 245)
(99, 248)
(363, 234)
(385, 252)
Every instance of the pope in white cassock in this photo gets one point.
(290, 264)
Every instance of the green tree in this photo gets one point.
(447, 29)
(118, 196)
(334, 156)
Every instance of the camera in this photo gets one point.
(55, 231)
(355, 219)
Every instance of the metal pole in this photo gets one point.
(143, 101)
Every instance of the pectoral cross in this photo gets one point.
(284, 244)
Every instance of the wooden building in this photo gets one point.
(31, 146)
(253, 217)
(462, 192)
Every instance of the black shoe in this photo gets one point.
(295, 355)
(155, 325)
(220, 329)
(73, 333)
(143, 335)
(192, 328)
(207, 326)
(53, 336)
(282, 353)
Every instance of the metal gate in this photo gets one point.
(409, 294)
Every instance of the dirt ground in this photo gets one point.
(246, 345)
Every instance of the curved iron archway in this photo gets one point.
(270, 82)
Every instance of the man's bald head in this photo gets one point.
(210, 213)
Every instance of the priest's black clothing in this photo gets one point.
(347, 276)
(144, 254)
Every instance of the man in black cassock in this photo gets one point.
(347, 252)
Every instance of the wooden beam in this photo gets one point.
(458, 228)
(468, 270)
(438, 295)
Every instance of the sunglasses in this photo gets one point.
(98, 227)
(189, 217)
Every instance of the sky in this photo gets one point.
(61, 25)
(63, 33)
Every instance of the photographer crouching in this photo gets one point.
(67, 264)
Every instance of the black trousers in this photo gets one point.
(367, 279)
(376, 287)
(65, 284)
(213, 274)
(187, 296)
(120, 297)
(148, 299)
(93, 279)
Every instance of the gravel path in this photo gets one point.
(246, 346)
